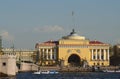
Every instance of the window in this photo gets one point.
(94, 64)
(98, 64)
(94, 57)
(98, 57)
(4, 64)
(102, 64)
(102, 57)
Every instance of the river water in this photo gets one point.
(81, 75)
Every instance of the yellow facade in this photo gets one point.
(1, 52)
(69, 47)
(75, 50)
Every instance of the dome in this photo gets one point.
(74, 35)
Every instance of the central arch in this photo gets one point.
(74, 60)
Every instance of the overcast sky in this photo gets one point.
(27, 22)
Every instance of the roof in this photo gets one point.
(47, 43)
(96, 42)
(74, 36)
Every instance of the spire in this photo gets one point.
(73, 19)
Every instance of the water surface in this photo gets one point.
(85, 75)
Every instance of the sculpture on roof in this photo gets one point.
(73, 32)
(74, 36)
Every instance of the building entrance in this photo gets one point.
(74, 60)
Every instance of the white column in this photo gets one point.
(92, 53)
(47, 54)
(100, 54)
(51, 54)
(54, 53)
(39, 52)
(96, 54)
(104, 54)
(108, 54)
(43, 53)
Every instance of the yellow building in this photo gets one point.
(73, 50)
(1, 53)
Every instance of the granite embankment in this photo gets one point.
(78, 69)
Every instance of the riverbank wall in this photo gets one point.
(8, 65)
(78, 69)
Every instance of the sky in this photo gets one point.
(23, 23)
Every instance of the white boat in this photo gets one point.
(46, 72)
(53, 72)
(111, 70)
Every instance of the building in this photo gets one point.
(115, 59)
(46, 53)
(73, 50)
(116, 49)
(1, 53)
(22, 55)
(8, 65)
(23, 58)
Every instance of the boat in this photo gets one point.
(53, 72)
(111, 70)
(46, 72)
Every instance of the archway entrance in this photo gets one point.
(74, 60)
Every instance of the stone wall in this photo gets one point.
(8, 65)
(28, 67)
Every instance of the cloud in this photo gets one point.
(5, 35)
(55, 28)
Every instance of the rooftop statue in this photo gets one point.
(73, 32)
